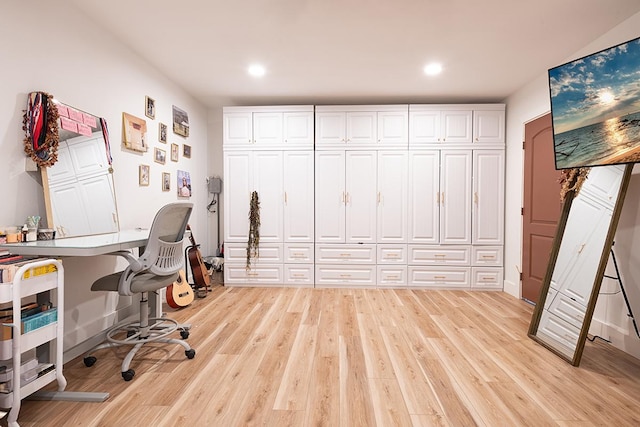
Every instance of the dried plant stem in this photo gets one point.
(254, 229)
(572, 180)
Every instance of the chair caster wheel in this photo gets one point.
(184, 334)
(128, 375)
(89, 361)
(190, 353)
(130, 333)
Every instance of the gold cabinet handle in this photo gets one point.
(378, 197)
(488, 256)
(344, 200)
(345, 255)
(440, 255)
(393, 277)
(475, 197)
(438, 198)
(285, 197)
(298, 275)
(440, 277)
(581, 248)
(345, 275)
(442, 198)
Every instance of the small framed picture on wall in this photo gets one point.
(174, 152)
(159, 155)
(143, 175)
(149, 107)
(186, 151)
(166, 181)
(162, 133)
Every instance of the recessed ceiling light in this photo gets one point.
(256, 70)
(432, 69)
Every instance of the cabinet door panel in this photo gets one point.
(267, 129)
(488, 197)
(267, 181)
(456, 126)
(455, 196)
(297, 129)
(488, 126)
(330, 128)
(330, 196)
(237, 130)
(298, 196)
(360, 197)
(104, 216)
(424, 127)
(423, 219)
(67, 198)
(237, 192)
(361, 128)
(393, 128)
(392, 196)
(87, 156)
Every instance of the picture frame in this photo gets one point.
(180, 122)
(174, 152)
(134, 130)
(186, 151)
(184, 184)
(149, 107)
(159, 155)
(162, 133)
(143, 175)
(166, 181)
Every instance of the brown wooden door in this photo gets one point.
(542, 207)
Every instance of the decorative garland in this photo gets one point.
(254, 229)
(40, 124)
(572, 180)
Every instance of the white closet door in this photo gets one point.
(330, 196)
(423, 217)
(298, 196)
(361, 196)
(267, 181)
(455, 197)
(88, 155)
(392, 197)
(67, 204)
(488, 197)
(104, 216)
(238, 185)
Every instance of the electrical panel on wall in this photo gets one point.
(215, 184)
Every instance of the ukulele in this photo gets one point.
(201, 277)
(179, 293)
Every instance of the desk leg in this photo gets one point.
(70, 396)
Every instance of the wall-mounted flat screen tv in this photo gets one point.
(595, 108)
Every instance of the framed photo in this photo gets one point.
(159, 155)
(174, 152)
(186, 151)
(184, 184)
(162, 133)
(149, 107)
(166, 181)
(143, 175)
(180, 122)
(134, 131)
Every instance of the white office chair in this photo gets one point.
(155, 269)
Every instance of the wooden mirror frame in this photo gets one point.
(604, 259)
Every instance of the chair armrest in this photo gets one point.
(134, 263)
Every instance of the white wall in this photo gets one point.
(530, 102)
(54, 48)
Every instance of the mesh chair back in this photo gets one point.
(163, 253)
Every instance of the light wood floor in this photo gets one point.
(333, 357)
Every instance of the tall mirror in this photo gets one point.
(579, 256)
(79, 193)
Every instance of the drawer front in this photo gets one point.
(439, 255)
(486, 278)
(332, 254)
(268, 253)
(486, 255)
(568, 310)
(298, 274)
(392, 275)
(298, 253)
(439, 277)
(342, 275)
(554, 328)
(258, 275)
(392, 254)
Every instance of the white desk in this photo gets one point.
(81, 246)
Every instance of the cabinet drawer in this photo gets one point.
(438, 277)
(486, 277)
(439, 255)
(392, 275)
(298, 253)
(486, 255)
(331, 254)
(553, 328)
(349, 275)
(392, 254)
(236, 253)
(568, 310)
(298, 274)
(258, 275)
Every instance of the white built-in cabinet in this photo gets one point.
(390, 195)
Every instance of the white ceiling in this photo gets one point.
(355, 51)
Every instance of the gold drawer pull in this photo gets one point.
(393, 277)
(252, 274)
(392, 255)
(440, 255)
(345, 275)
(345, 254)
(298, 275)
(487, 279)
(440, 277)
(488, 256)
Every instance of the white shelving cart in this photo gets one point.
(40, 278)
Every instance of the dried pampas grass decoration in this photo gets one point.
(572, 180)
